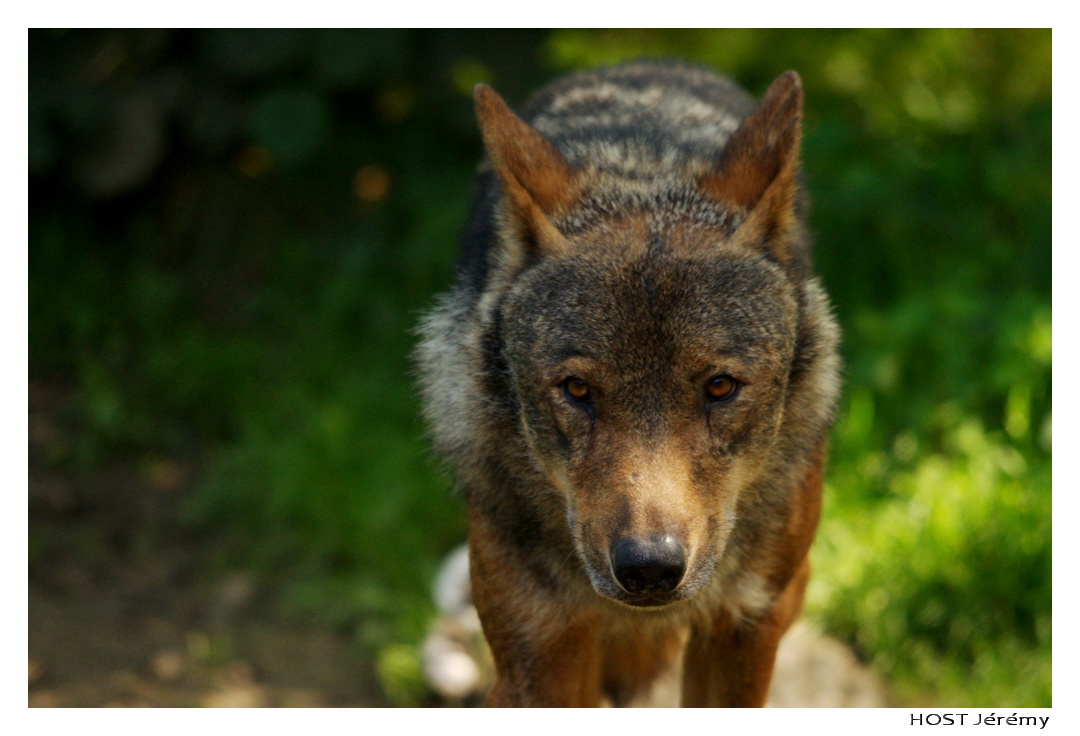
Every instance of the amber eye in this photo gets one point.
(721, 388)
(576, 389)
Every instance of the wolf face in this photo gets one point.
(651, 391)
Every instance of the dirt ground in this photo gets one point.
(128, 608)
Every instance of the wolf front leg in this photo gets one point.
(545, 655)
(731, 664)
(560, 672)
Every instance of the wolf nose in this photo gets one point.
(654, 566)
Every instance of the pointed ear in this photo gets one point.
(536, 179)
(756, 173)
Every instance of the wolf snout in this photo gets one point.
(653, 566)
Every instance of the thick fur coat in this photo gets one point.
(632, 380)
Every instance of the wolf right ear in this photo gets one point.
(535, 177)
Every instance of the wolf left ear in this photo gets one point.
(756, 174)
(537, 181)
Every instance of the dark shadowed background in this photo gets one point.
(232, 234)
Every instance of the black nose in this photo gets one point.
(653, 566)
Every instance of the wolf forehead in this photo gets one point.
(593, 303)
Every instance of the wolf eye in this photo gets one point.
(721, 388)
(576, 389)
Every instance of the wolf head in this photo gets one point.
(662, 337)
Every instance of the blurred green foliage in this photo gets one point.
(232, 234)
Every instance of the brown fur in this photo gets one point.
(639, 233)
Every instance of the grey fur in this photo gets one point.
(494, 348)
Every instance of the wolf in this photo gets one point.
(633, 379)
